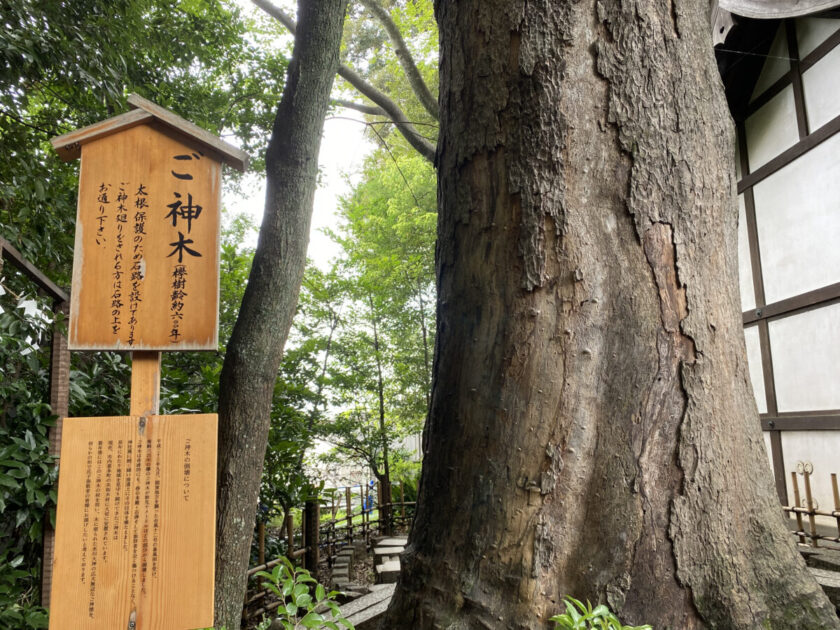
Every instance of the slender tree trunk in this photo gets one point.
(385, 481)
(256, 346)
(592, 424)
(426, 354)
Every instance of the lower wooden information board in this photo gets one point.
(135, 525)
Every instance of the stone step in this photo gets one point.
(388, 572)
(830, 582)
(387, 551)
(396, 541)
(364, 612)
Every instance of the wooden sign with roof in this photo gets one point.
(136, 511)
(146, 263)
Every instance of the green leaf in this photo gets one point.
(312, 620)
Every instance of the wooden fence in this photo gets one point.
(320, 540)
(809, 509)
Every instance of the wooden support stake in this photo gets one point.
(261, 534)
(836, 500)
(145, 383)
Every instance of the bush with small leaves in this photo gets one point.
(580, 616)
(300, 606)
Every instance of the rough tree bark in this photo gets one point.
(268, 306)
(592, 429)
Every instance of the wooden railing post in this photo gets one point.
(349, 515)
(261, 536)
(312, 527)
(60, 405)
(290, 534)
(364, 494)
(380, 502)
(402, 500)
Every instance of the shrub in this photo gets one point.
(583, 617)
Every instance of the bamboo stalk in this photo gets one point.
(797, 503)
(812, 521)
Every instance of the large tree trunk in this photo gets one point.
(592, 428)
(268, 306)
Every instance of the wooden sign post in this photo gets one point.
(135, 524)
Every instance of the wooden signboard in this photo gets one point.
(135, 530)
(146, 265)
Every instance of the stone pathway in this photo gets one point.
(387, 559)
(364, 610)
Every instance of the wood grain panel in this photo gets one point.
(146, 266)
(135, 530)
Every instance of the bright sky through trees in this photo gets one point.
(343, 150)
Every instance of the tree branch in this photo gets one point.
(391, 109)
(370, 110)
(401, 50)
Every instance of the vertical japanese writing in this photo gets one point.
(187, 468)
(129, 467)
(141, 204)
(182, 212)
(117, 278)
(118, 495)
(106, 517)
(147, 502)
(156, 520)
(179, 283)
(86, 512)
(135, 524)
(101, 218)
(94, 557)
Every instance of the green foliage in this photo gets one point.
(368, 50)
(376, 308)
(580, 616)
(407, 472)
(300, 597)
(27, 472)
(64, 65)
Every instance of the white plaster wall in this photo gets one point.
(821, 86)
(811, 32)
(771, 129)
(798, 221)
(754, 361)
(806, 360)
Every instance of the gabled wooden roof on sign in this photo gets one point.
(69, 145)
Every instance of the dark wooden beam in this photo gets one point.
(817, 297)
(802, 423)
(32, 272)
